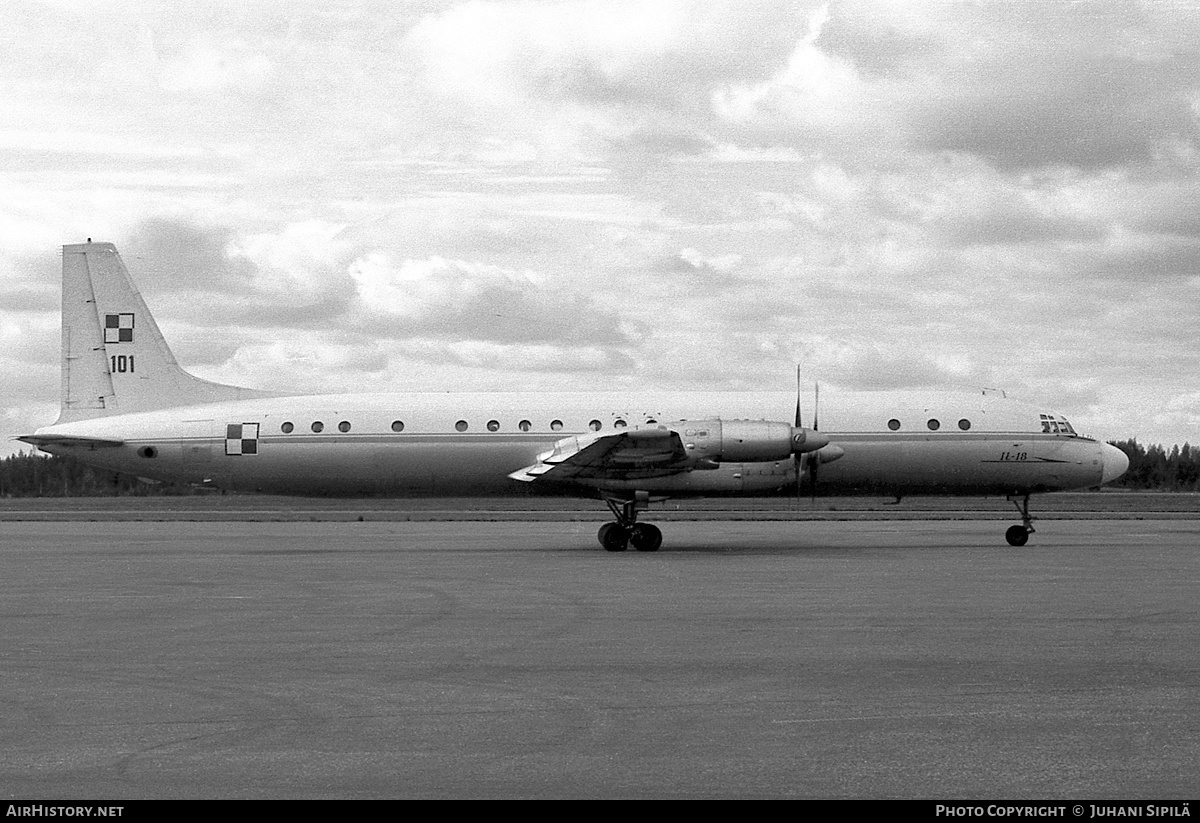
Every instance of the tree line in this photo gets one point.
(29, 474)
(1151, 468)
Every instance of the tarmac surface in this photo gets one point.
(881, 658)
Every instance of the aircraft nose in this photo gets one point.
(1113, 461)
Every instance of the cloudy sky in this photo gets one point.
(484, 195)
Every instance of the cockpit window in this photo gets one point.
(1053, 424)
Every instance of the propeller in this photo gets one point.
(809, 460)
(797, 457)
(815, 459)
(818, 447)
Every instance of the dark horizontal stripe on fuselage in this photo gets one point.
(552, 437)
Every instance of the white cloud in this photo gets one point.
(73, 141)
(723, 263)
(210, 68)
(648, 193)
(25, 236)
(1182, 414)
(457, 300)
(810, 78)
(296, 262)
(489, 355)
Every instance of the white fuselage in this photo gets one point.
(468, 443)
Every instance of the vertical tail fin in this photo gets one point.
(114, 358)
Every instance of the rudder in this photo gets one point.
(114, 357)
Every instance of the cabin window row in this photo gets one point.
(933, 424)
(317, 427)
(462, 425)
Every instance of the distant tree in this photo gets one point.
(35, 475)
(1154, 468)
(1187, 469)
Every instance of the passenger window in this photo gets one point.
(493, 425)
(594, 425)
(894, 424)
(964, 424)
(524, 425)
(397, 425)
(650, 421)
(619, 423)
(461, 426)
(556, 425)
(318, 426)
(933, 424)
(287, 428)
(344, 426)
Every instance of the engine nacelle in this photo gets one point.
(745, 441)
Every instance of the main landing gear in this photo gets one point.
(1019, 535)
(618, 536)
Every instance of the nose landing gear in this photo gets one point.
(1019, 535)
(616, 537)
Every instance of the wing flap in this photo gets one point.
(613, 456)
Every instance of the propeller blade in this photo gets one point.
(806, 459)
(798, 423)
(797, 458)
(816, 460)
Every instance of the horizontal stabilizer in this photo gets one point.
(69, 441)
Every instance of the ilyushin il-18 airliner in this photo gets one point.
(128, 406)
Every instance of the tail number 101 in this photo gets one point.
(121, 363)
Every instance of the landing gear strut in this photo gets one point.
(616, 537)
(1019, 535)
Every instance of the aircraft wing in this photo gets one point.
(633, 453)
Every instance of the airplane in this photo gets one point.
(127, 406)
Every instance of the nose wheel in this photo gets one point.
(626, 531)
(1019, 535)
